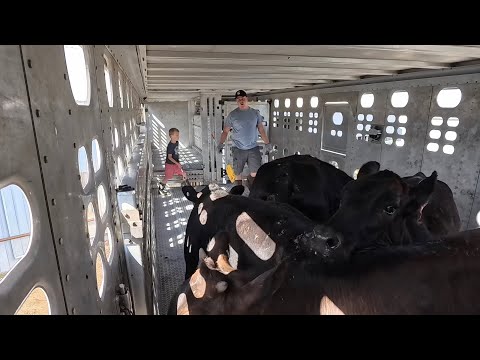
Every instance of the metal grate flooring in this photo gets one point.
(171, 213)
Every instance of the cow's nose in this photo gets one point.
(329, 237)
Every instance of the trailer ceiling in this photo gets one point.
(181, 72)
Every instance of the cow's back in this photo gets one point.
(303, 181)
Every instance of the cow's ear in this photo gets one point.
(368, 168)
(420, 194)
(190, 193)
(237, 190)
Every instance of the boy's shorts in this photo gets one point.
(171, 170)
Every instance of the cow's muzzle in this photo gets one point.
(323, 241)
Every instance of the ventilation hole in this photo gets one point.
(339, 133)
(299, 102)
(91, 223)
(478, 218)
(367, 100)
(359, 136)
(355, 173)
(297, 153)
(108, 243)
(359, 127)
(100, 272)
(120, 90)
(399, 142)
(96, 155)
(287, 103)
(369, 117)
(333, 133)
(116, 138)
(296, 114)
(368, 127)
(391, 118)
(388, 140)
(309, 129)
(437, 121)
(315, 123)
(451, 135)
(399, 99)
(435, 134)
(15, 228)
(285, 152)
(402, 119)
(102, 200)
(314, 101)
(449, 98)
(337, 118)
(432, 147)
(300, 128)
(448, 149)
(315, 115)
(78, 73)
(83, 166)
(315, 130)
(284, 113)
(108, 84)
(401, 130)
(360, 117)
(276, 103)
(390, 130)
(453, 121)
(36, 303)
(310, 114)
(301, 114)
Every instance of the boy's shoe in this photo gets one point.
(231, 174)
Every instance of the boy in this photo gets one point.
(172, 162)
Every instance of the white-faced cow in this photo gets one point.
(381, 208)
(438, 277)
(258, 231)
(303, 181)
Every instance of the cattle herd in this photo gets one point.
(309, 239)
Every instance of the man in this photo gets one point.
(244, 122)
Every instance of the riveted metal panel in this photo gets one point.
(20, 166)
(459, 170)
(360, 148)
(404, 153)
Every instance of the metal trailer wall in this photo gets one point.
(459, 170)
(43, 160)
(170, 114)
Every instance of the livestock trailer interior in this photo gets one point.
(84, 228)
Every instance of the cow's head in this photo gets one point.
(379, 208)
(218, 288)
(212, 190)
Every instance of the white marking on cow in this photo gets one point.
(218, 194)
(182, 305)
(199, 195)
(221, 286)
(213, 187)
(203, 217)
(233, 257)
(223, 265)
(200, 207)
(198, 285)
(327, 307)
(210, 263)
(255, 238)
(211, 244)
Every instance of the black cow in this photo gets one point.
(259, 231)
(381, 208)
(437, 277)
(303, 181)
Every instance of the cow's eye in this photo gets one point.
(390, 210)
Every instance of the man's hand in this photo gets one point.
(268, 147)
(220, 147)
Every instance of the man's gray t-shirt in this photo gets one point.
(244, 127)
